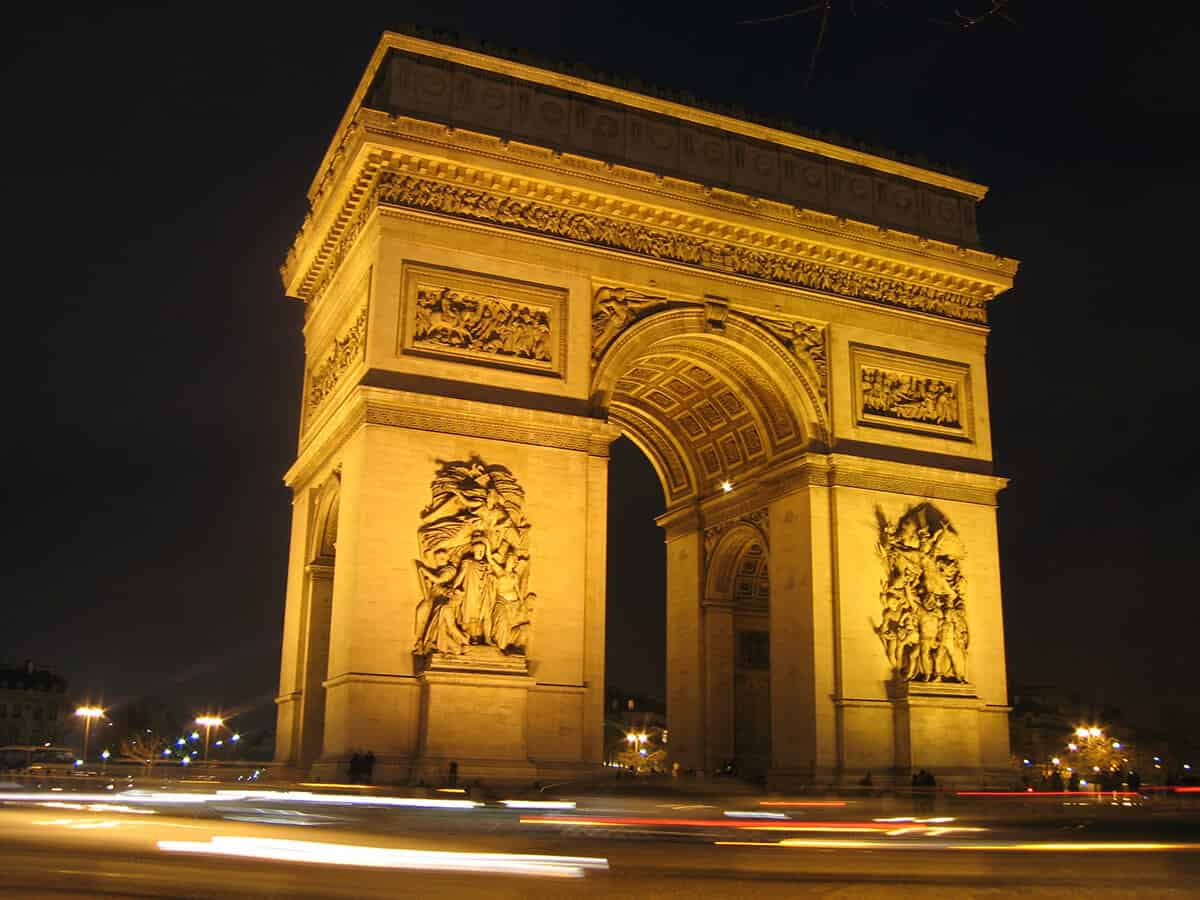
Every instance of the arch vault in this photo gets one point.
(504, 269)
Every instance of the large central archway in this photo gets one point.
(708, 400)
(714, 402)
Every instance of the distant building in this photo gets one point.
(1045, 724)
(632, 714)
(33, 705)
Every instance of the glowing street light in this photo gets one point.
(727, 486)
(88, 713)
(209, 722)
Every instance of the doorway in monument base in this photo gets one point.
(737, 649)
(635, 613)
(316, 620)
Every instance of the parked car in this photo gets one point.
(37, 759)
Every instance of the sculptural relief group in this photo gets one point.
(474, 562)
(924, 623)
(457, 320)
(910, 397)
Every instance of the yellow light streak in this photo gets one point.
(390, 858)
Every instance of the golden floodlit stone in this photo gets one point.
(505, 268)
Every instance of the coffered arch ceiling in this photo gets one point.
(737, 569)
(705, 405)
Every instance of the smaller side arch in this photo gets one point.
(730, 550)
(323, 533)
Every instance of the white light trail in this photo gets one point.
(390, 858)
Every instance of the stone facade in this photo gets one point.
(33, 705)
(481, 290)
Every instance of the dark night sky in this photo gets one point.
(154, 174)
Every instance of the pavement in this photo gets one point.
(205, 840)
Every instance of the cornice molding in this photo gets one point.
(681, 521)
(450, 142)
(469, 418)
(843, 470)
(994, 273)
(347, 678)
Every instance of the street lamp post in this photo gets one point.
(87, 713)
(208, 722)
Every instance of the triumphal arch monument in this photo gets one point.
(505, 268)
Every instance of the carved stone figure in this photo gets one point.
(805, 340)
(923, 626)
(612, 310)
(474, 562)
(438, 612)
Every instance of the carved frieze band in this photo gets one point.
(585, 226)
(370, 123)
(482, 319)
(325, 375)
(912, 393)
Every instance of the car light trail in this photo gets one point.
(347, 800)
(741, 825)
(810, 843)
(1048, 847)
(183, 798)
(390, 858)
(539, 804)
(802, 803)
(1098, 795)
(1081, 847)
(98, 807)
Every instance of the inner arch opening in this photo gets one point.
(635, 614)
(708, 410)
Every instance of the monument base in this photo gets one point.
(937, 728)
(474, 709)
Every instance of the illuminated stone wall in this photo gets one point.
(786, 368)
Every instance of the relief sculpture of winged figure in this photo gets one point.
(923, 623)
(473, 566)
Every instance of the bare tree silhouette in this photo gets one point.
(959, 20)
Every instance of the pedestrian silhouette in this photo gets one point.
(368, 767)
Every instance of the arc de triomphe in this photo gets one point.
(505, 268)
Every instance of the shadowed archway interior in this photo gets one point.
(709, 414)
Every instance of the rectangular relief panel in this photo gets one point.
(483, 319)
(325, 368)
(911, 393)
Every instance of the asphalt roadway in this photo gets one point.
(200, 840)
